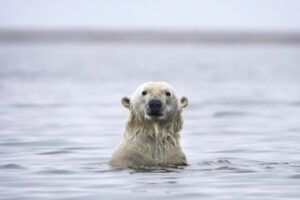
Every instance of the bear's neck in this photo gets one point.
(166, 133)
(151, 132)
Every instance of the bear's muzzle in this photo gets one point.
(155, 108)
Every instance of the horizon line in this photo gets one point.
(14, 35)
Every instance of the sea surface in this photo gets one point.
(61, 118)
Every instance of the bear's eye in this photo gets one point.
(144, 93)
(168, 93)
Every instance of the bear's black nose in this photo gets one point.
(155, 105)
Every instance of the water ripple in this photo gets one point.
(221, 114)
(12, 166)
(55, 171)
(64, 151)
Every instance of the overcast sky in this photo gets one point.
(282, 15)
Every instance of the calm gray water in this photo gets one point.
(61, 118)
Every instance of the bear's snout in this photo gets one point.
(155, 107)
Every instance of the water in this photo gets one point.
(61, 118)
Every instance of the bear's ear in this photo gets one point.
(184, 102)
(126, 102)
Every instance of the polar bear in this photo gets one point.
(152, 133)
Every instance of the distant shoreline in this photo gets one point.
(147, 36)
